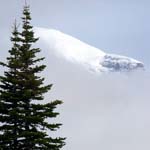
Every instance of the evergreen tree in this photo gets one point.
(23, 121)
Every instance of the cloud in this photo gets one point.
(107, 111)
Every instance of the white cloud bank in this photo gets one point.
(100, 112)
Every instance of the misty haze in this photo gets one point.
(97, 58)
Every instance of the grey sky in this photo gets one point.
(121, 27)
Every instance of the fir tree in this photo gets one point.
(23, 123)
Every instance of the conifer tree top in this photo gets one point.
(23, 123)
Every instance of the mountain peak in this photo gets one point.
(76, 51)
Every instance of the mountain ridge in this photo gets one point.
(76, 51)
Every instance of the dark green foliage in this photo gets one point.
(23, 123)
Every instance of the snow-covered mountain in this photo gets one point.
(76, 51)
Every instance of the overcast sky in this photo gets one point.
(116, 26)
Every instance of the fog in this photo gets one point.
(108, 111)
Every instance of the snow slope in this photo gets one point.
(76, 51)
